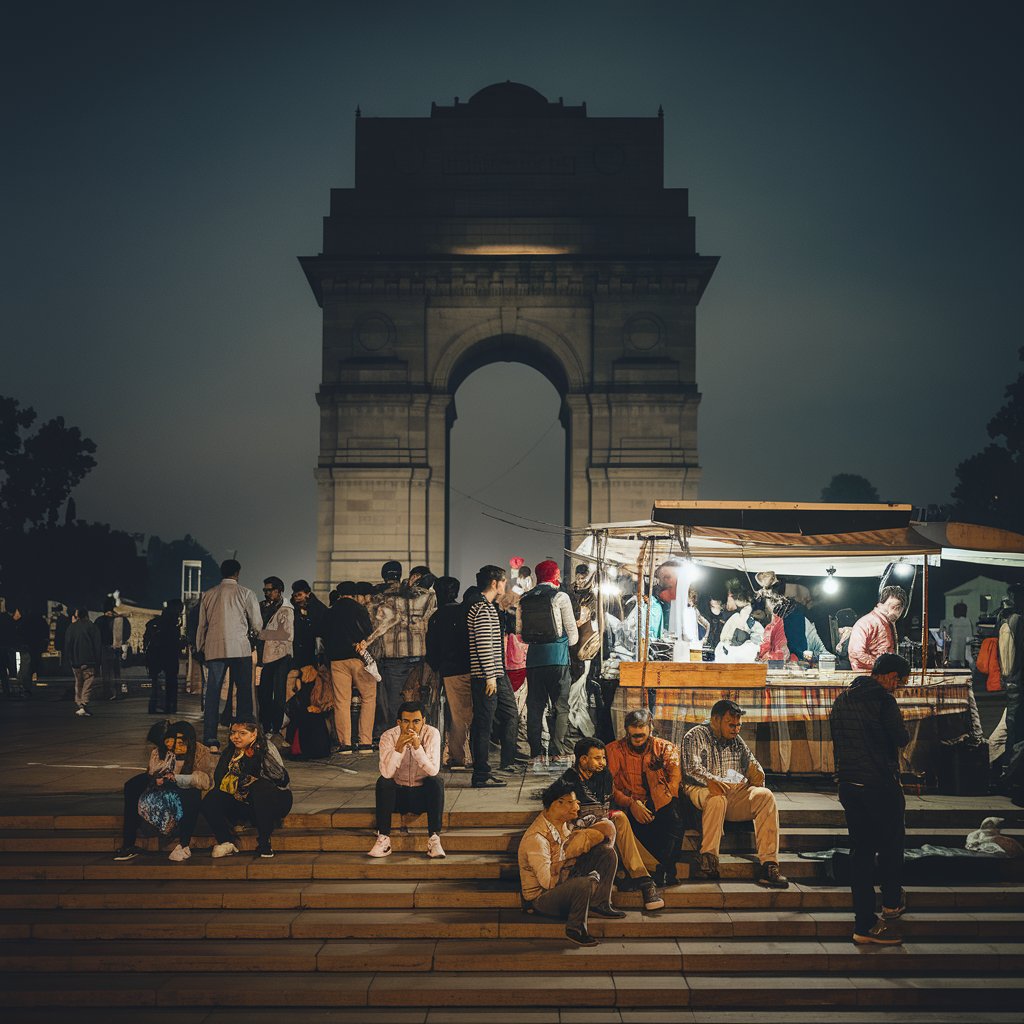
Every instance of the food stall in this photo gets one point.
(787, 703)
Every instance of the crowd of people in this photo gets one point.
(364, 673)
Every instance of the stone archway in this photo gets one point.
(505, 227)
(509, 348)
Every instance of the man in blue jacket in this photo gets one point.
(868, 734)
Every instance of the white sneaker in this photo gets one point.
(224, 850)
(434, 848)
(179, 853)
(81, 712)
(381, 848)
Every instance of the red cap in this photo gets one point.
(548, 572)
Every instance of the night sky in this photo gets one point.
(857, 167)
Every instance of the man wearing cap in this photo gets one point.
(725, 783)
(545, 620)
(401, 613)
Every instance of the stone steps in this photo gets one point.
(325, 927)
(351, 997)
(287, 894)
(456, 840)
(490, 923)
(636, 955)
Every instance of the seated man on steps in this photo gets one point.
(410, 759)
(592, 784)
(645, 784)
(565, 873)
(725, 783)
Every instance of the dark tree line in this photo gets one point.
(45, 554)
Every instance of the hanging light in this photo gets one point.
(903, 570)
(831, 584)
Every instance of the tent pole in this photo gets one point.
(924, 620)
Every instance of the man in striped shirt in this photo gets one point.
(491, 689)
(725, 782)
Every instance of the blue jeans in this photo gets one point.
(241, 679)
(394, 672)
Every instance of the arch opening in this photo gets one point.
(508, 443)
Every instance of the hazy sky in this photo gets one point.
(856, 166)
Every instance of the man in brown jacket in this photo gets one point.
(645, 784)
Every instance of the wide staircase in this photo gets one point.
(406, 938)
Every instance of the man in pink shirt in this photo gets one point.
(410, 759)
(874, 634)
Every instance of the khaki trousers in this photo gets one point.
(459, 695)
(740, 803)
(633, 856)
(343, 675)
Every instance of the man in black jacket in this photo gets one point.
(448, 656)
(83, 649)
(348, 626)
(310, 623)
(867, 734)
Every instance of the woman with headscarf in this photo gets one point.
(250, 783)
(177, 759)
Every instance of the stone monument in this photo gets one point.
(507, 227)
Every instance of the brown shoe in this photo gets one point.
(770, 877)
(882, 934)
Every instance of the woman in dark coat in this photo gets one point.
(250, 784)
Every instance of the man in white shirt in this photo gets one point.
(410, 759)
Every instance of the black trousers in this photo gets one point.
(875, 818)
(425, 799)
(548, 685)
(500, 708)
(135, 787)
(265, 807)
(167, 667)
(663, 837)
(271, 694)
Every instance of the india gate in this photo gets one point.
(508, 227)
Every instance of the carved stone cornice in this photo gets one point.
(503, 278)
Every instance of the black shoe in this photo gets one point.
(652, 898)
(512, 769)
(490, 783)
(580, 937)
(709, 867)
(664, 878)
(364, 748)
(264, 850)
(607, 910)
(892, 913)
(127, 853)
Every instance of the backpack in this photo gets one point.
(537, 610)
(1008, 644)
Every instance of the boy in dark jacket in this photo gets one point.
(82, 648)
(867, 734)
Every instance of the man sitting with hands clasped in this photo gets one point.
(410, 759)
(566, 873)
(725, 783)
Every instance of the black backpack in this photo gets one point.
(537, 612)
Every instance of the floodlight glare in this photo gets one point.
(831, 584)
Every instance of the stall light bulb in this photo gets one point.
(613, 572)
(830, 586)
(903, 569)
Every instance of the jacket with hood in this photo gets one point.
(82, 644)
(867, 734)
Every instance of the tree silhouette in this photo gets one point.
(39, 469)
(849, 489)
(990, 488)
